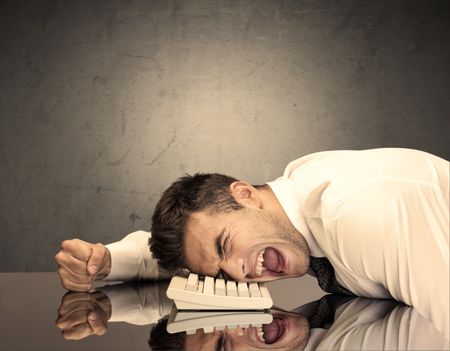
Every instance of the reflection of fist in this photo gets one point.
(80, 263)
(83, 314)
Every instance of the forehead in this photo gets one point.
(201, 231)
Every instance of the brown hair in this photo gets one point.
(186, 195)
(160, 339)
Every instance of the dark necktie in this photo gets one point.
(324, 272)
(323, 316)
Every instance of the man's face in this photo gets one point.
(252, 244)
(288, 331)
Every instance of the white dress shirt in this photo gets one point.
(364, 324)
(141, 304)
(381, 217)
(131, 259)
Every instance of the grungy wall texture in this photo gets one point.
(105, 103)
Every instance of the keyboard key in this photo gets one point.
(192, 282)
(200, 287)
(208, 329)
(264, 290)
(220, 287)
(254, 290)
(231, 288)
(208, 286)
(243, 290)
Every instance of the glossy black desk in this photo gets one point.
(30, 301)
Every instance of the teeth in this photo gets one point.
(259, 263)
(260, 334)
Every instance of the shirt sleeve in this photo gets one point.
(131, 259)
(140, 305)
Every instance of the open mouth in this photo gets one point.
(271, 261)
(270, 333)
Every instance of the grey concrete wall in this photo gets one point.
(104, 103)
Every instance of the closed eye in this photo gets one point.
(219, 244)
(225, 248)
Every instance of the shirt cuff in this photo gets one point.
(139, 305)
(124, 261)
(125, 305)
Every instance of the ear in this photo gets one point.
(246, 194)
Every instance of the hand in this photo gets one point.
(81, 263)
(83, 314)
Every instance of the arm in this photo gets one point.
(138, 303)
(84, 314)
(81, 263)
(131, 259)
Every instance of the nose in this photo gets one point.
(234, 269)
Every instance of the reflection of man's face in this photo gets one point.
(287, 331)
(243, 237)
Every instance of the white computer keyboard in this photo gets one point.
(208, 321)
(208, 293)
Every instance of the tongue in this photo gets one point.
(273, 331)
(272, 260)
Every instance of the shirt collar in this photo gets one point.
(291, 202)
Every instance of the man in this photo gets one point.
(372, 223)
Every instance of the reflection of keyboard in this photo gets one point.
(191, 321)
(196, 293)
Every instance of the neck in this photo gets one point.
(270, 202)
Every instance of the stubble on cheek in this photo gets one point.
(287, 232)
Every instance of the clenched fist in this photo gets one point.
(83, 314)
(81, 263)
